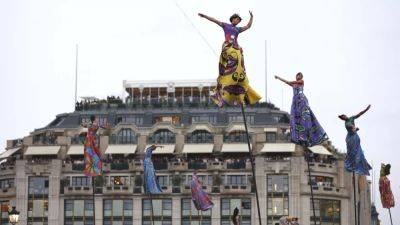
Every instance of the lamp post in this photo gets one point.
(13, 216)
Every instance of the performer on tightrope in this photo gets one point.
(200, 199)
(305, 129)
(233, 85)
(151, 184)
(355, 159)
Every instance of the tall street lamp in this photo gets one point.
(13, 216)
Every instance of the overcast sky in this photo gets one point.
(348, 51)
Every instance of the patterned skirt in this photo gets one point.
(233, 85)
(304, 126)
(93, 164)
(355, 159)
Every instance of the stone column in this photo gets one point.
(176, 210)
(216, 210)
(98, 204)
(179, 142)
(137, 211)
(295, 203)
(54, 193)
(262, 192)
(341, 172)
(21, 184)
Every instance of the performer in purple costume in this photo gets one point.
(304, 127)
(200, 199)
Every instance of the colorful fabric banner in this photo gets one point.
(200, 199)
(385, 190)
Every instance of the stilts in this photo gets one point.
(311, 188)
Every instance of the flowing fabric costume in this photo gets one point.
(287, 221)
(151, 183)
(304, 127)
(93, 164)
(355, 160)
(387, 197)
(200, 199)
(233, 85)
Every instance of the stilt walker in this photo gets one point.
(93, 164)
(233, 85)
(150, 180)
(385, 190)
(200, 198)
(355, 161)
(305, 129)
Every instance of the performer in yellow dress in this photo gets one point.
(233, 85)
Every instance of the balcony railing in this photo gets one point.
(161, 165)
(120, 166)
(45, 140)
(236, 165)
(197, 165)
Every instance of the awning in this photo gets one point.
(235, 148)
(195, 127)
(121, 149)
(75, 150)
(198, 148)
(8, 153)
(319, 149)
(271, 129)
(278, 147)
(167, 149)
(43, 150)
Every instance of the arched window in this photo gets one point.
(162, 136)
(199, 136)
(236, 137)
(124, 136)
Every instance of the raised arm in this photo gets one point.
(211, 19)
(290, 83)
(362, 112)
(242, 29)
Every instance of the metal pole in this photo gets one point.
(311, 188)
(355, 203)
(151, 201)
(252, 162)
(76, 73)
(94, 208)
(266, 73)
(390, 214)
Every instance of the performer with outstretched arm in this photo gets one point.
(355, 159)
(305, 129)
(151, 184)
(233, 85)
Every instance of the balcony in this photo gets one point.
(119, 166)
(118, 190)
(238, 165)
(7, 169)
(215, 165)
(323, 167)
(325, 191)
(236, 189)
(7, 192)
(160, 165)
(178, 166)
(197, 165)
(78, 190)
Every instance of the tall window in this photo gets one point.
(199, 136)
(327, 211)
(236, 137)
(162, 211)
(277, 197)
(5, 207)
(117, 211)
(6, 183)
(131, 119)
(162, 136)
(192, 216)
(78, 212)
(81, 181)
(229, 204)
(204, 119)
(239, 118)
(124, 136)
(38, 200)
(236, 180)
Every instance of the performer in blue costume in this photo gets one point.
(355, 159)
(305, 129)
(151, 183)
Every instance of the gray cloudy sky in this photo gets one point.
(348, 51)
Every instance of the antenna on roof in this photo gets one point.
(266, 74)
(76, 74)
